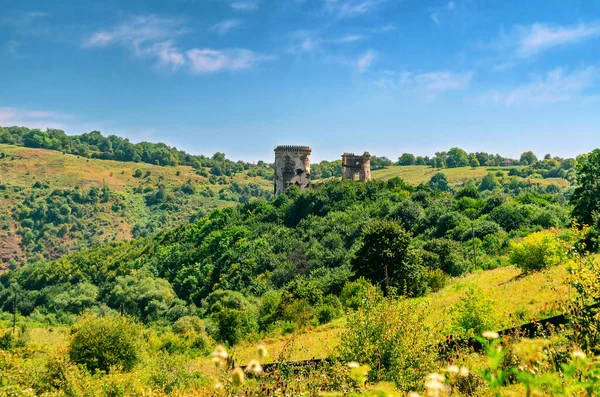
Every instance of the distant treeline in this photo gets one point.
(95, 145)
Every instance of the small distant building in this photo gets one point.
(507, 163)
(292, 167)
(352, 164)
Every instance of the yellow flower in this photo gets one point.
(463, 372)
(220, 352)
(579, 355)
(453, 369)
(353, 364)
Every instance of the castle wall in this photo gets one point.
(292, 167)
(353, 164)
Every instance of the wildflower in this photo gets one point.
(413, 394)
(220, 352)
(353, 364)
(579, 355)
(463, 372)
(237, 376)
(219, 387)
(434, 385)
(490, 335)
(254, 367)
(453, 369)
(262, 351)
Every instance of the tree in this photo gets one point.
(528, 158)
(439, 182)
(586, 198)
(386, 258)
(420, 160)
(457, 158)
(489, 182)
(473, 162)
(407, 159)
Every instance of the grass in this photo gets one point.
(417, 174)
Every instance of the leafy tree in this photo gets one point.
(385, 257)
(473, 162)
(489, 182)
(407, 159)
(586, 197)
(528, 158)
(457, 158)
(137, 173)
(439, 182)
(420, 160)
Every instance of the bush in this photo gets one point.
(105, 343)
(537, 251)
(354, 293)
(390, 336)
(473, 314)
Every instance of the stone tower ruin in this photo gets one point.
(352, 163)
(292, 167)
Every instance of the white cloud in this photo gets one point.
(145, 36)
(211, 61)
(431, 84)
(435, 17)
(225, 26)
(365, 60)
(557, 85)
(153, 37)
(351, 8)
(307, 41)
(450, 6)
(10, 116)
(540, 37)
(245, 5)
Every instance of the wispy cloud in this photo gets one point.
(10, 116)
(540, 37)
(351, 8)
(430, 84)
(225, 26)
(527, 41)
(248, 5)
(307, 41)
(558, 85)
(211, 61)
(365, 60)
(144, 35)
(436, 13)
(153, 37)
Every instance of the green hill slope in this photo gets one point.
(53, 203)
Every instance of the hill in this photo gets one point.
(53, 203)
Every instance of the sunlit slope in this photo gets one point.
(456, 176)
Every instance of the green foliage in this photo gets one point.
(528, 158)
(439, 182)
(385, 257)
(407, 159)
(489, 182)
(389, 335)
(537, 251)
(473, 314)
(106, 343)
(232, 315)
(457, 158)
(586, 197)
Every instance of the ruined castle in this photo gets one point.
(292, 167)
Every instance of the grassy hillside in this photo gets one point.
(105, 201)
(456, 176)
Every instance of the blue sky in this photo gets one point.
(241, 76)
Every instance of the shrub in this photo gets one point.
(389, 335)
(537, 251)
(232, 315)
(436, 279)
(105, 343)
(473, 314)
(354, 293)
